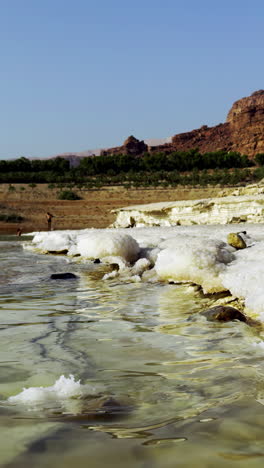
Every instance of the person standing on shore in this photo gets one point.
(49, 217)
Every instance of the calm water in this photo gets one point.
(178, 392)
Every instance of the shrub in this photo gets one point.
(259, 158)
(259, 173)
(68, 195)
(11, 218)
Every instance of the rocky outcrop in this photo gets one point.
(206, 139)
(131, 146)
(243, 131)
(246, 122)
(247, 111)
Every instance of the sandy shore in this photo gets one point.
(93, 210)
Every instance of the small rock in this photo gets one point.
(132, 222)
(58, 252)
(97, 260)
(235, 240)
(64, 276)
(102, 408)
(114, 267)
(223, 314)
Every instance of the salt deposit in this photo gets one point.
(196, 254)
(101, 244)
(244, 277)
(53, 241)
(189, 259)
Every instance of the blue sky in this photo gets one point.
(83, 74)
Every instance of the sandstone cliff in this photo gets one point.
(243, 131)
(246, 121)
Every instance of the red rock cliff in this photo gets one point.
(246, 121)
(242, 132)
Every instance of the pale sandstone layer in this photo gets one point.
(243, 205)
(226, 210)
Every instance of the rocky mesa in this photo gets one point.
(243, 131)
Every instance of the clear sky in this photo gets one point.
(84, 74)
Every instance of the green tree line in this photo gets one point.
(148, 169)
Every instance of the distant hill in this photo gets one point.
(74, 158)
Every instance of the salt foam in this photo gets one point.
(63, 389)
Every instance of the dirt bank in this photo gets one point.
(93, 210)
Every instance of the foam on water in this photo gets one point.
(63, 389)
(259, 345)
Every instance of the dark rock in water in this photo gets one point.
(102, 408)
(223, 314)
(58, 252)
(64, 276)
(114, 266)
(97, 260)
(110, 405)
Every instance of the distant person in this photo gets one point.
(19, 232)
(49, 217)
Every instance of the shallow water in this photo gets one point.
(185, 392)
